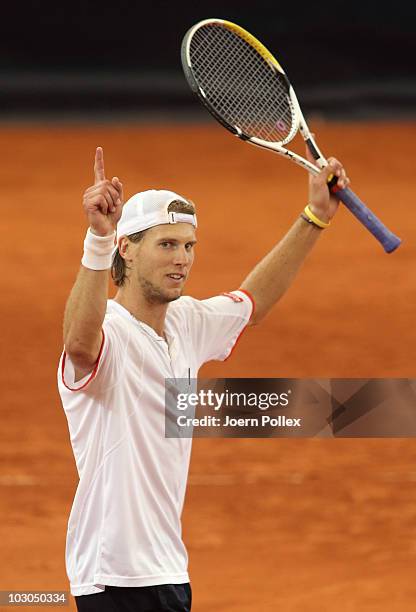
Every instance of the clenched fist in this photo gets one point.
(103, 201)
(322, 202)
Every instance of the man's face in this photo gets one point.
(162, 261)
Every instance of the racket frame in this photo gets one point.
(388, 240)
(299, 124)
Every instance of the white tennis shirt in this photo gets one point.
(124, 528)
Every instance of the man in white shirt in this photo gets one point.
(124, 547)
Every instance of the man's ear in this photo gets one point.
(124, 247)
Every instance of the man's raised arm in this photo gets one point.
(271, 278)
(86, 305)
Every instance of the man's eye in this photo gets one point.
(165, 244)
(189, 246)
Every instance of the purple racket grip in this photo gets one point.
(388, 240)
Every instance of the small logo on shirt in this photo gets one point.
(233, 297)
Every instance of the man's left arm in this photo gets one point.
(274, 274)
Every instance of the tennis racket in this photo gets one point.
(244, 87)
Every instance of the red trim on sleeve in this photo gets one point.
(233, 296)
(251, 298)
(253, 304)
(93, 373)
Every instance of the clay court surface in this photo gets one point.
(292, 525)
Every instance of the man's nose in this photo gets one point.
(181, 256)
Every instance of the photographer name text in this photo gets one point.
(260, 421)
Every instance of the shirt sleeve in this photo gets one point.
(216, 324)
(110, 362)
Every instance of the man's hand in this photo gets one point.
(103, 201)
(322, 203)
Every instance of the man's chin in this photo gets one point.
(173, 295)
(159, 295)
(165, 297)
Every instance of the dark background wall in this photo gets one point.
(96, 58)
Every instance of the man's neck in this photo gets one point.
(152, 314)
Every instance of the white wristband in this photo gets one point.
(98, 251)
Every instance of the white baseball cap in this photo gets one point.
(149, 208)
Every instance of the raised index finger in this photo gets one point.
(99, 173)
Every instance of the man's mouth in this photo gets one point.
(176, 277)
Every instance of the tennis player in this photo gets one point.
(124, 547)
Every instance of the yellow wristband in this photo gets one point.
(314, 218)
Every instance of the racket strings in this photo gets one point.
(240, 85)
(230, 95)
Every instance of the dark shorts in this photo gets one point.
(160, 598)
